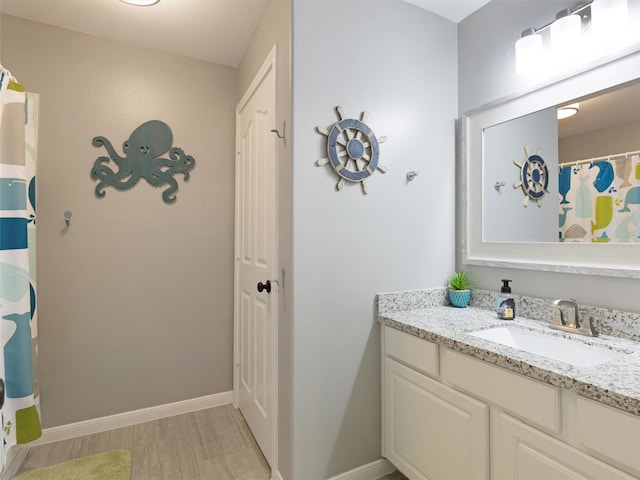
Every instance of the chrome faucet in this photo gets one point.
(573, 324)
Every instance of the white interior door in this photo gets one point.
(256, 261)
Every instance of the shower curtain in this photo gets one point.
(18, 319)
(600, 201)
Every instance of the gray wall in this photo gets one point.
(397, 62)
(487, 73)
(619, 138)
(135, 297)
(275, 28)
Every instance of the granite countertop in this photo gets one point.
(615, 383)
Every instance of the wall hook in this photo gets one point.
(498, 186)
(67, 217)
(284, 128)
(411, 175)
(277, 281)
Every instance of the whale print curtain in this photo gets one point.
(18, 320)
(600, 201)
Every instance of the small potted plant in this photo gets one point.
(459, 289)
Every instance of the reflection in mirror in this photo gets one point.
(572, 179)
(612, 258)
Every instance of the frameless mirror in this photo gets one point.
(560, 195)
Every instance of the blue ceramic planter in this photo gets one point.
(459, 298)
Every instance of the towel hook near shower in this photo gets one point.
(284, 128)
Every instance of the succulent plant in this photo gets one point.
(460, 281)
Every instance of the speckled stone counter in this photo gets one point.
(426, 314)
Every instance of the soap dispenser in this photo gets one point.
(506, 304)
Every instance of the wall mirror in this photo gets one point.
(575, 204)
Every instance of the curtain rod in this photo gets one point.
(596, 159)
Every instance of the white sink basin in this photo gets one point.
(557, 348)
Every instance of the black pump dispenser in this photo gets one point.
(506, 304)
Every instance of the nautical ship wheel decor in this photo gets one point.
(534, 177)
(353, 150)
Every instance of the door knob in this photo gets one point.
(264, 286)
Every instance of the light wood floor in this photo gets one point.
(212, 444)
(205, 445)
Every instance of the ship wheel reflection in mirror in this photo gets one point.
(534, 177)
(352, 149)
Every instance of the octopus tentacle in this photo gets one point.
(134, 178)
(161, 172)
(173, 188)
(109, 177)
(157, 175)
(102, 141)
(99, 168)
(100, 189)
(125, 166)
(184, 162)
(176, 153)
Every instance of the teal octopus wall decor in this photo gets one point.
(142, 159)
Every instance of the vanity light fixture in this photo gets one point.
(582, 33)
(528, 51)
(610, 23)
(141, 3)
(568, 111)
(565, 31)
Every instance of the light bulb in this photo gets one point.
(568, 111)
(565, 35)
(528, 52)
(141, 3)
(610, 24)
(566, 30)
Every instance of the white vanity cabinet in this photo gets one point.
(431, 430)
(449, 415)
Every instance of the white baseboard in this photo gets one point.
(370, 471)
(134, 417)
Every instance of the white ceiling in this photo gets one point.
(454, 10)
(217, 31)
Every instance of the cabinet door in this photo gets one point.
(609, 434)
(432, 431)
(521, 452)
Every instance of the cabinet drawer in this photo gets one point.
(609, 433)
(413, 351)
(528, 399)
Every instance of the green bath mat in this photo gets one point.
(111, 465)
